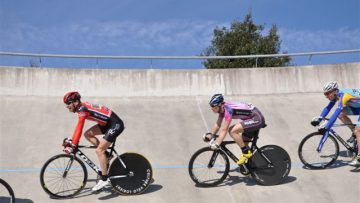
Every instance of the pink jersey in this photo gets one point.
(241, 110)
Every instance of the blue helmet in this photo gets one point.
(216, 100)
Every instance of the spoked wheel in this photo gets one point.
(132, 175)
(313, 159)
(272, 173)
(63, 176)
(6, 192)
(208, 167)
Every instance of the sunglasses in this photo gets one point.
(327, 93)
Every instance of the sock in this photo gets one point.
(245, 149)
(104, 177)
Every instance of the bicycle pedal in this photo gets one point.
(243, 171)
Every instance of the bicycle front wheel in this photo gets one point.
(313, 159)
(270, 165)
(208, 167)
(63, 176)
(6, 192)
(130, 174)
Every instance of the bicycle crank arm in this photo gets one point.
(117, 177)
(327, 156)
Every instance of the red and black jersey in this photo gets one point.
(93, 112)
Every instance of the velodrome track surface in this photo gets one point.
(168, 130)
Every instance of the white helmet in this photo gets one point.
(330, 86)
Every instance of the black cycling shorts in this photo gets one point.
(253, 125)
(113, 128)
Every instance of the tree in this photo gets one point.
(244, 38)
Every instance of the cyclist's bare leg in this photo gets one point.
(345, 119)
(235, 132)
(100, 151)
(91, 133)
(357, 134)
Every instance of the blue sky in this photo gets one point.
(168, 28)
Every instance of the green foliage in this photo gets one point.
(244, 38)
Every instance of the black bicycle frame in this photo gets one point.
(87, 160)
(223, 148)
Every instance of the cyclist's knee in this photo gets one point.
(89, 134)
(235, 131)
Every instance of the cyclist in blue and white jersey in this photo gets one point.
(348, 104)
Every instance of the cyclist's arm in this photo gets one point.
(78, 130)
(333, 117)
(217, 126)
(223, 132)
(327, 109)
(337, 112)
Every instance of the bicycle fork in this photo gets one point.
(322, 141)
(68, 166)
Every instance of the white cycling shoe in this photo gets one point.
(101, 184)
(355, 162)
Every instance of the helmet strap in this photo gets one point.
(77, 106)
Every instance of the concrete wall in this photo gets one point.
(150, 82)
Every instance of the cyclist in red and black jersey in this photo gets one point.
(108, 123)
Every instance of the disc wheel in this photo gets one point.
(131, 174)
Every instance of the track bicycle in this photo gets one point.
(65, 175)
(6, 192)
(269, 165)
(318, 151)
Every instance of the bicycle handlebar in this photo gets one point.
(340, 124)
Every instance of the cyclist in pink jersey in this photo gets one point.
(250, 120)
(108, 123)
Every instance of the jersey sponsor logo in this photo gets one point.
(356, 91)
(250, 122)
(100, 116)
(112, 131)
(251, 106)
(81, 114)
(241, 112)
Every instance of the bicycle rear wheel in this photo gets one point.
(313, 159)
(272, 173)
(207, 168)
(132, 175)
(6, 192)
(63, 176)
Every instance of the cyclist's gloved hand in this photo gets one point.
(214, 145)
(322, 130)
(316, 121)
(69, 147)
(68, 150)
(207, 137)
(66, 142)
